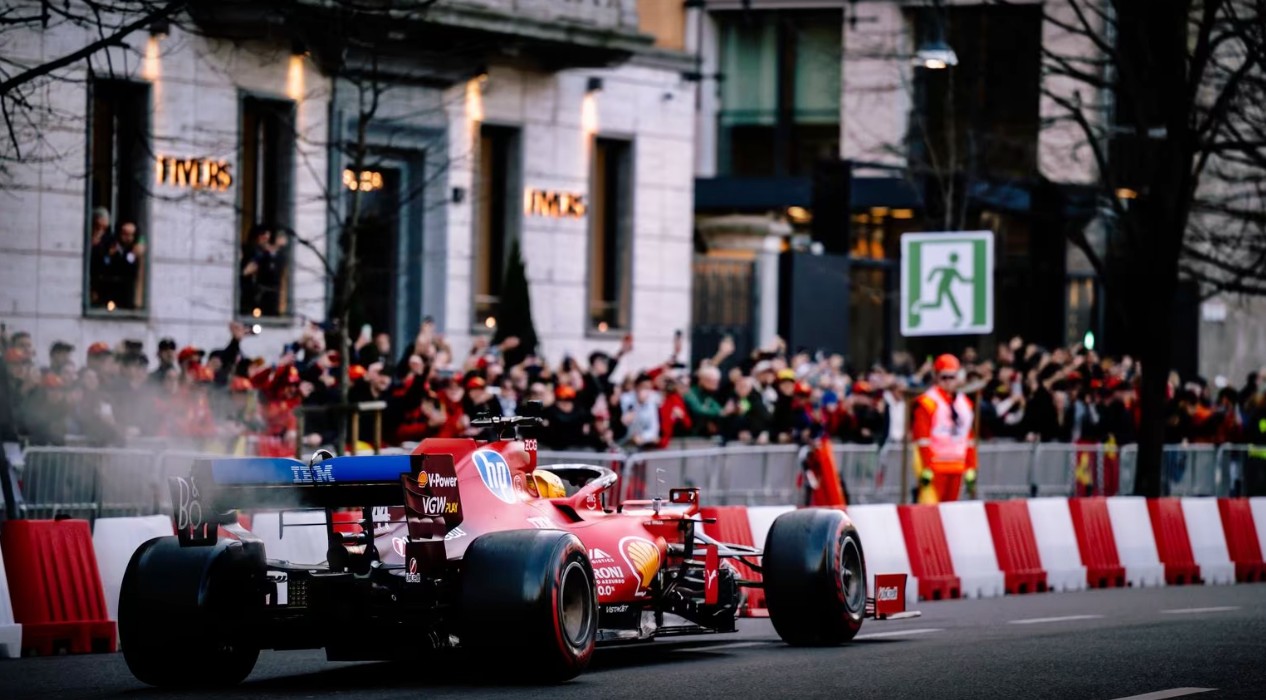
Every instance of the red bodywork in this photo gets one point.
(627, 549)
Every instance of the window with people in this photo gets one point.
(267, 206)
(118, 170)
(611, 236)
(496, 217)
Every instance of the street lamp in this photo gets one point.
(934, 53)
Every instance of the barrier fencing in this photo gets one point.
(91, 483)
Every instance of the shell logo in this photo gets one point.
(422, 478)
(643, 558)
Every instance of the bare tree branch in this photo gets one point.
(45, 68)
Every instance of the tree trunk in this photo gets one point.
(1154, 357)
(1152, 41)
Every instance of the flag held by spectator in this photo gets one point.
(824, 478)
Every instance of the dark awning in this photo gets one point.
(758, 194)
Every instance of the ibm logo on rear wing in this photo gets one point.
(315, 474)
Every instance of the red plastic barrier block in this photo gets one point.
(929, 552)
(347, 521)
(56, 587)
(1169, 527)
(1016, 547)
(1096, 542)
(1241, 539)
(733, 527)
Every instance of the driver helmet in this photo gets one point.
(548, 485)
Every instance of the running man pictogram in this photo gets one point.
(946, 283)
(948, 274)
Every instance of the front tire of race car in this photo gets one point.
(178, 610)
(815, 582)
(528, 596)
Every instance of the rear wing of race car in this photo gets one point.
(216, 489)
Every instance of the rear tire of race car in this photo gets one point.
(815, 582)
(177, 609)
(528, 596)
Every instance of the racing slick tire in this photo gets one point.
(815, 583)
(529, 596)
(177, 612)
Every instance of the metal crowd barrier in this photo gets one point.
(93, 482)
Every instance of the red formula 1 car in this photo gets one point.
(462, 544)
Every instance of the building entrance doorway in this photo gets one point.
(377, 248)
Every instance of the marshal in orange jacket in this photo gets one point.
(943, 430)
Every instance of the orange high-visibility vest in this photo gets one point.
(946, 439)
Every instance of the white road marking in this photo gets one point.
(1197, 611)
(899, 633)
(1171, 693)
(1066, 618)
(732, 645)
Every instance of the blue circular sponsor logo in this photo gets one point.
(495, 474)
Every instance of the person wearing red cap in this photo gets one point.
(478, 400)
(567, 423)
(944, 435)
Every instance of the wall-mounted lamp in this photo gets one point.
(593, 85)
(159, 29)
(934, 53)
(298, 48)
(799, 215)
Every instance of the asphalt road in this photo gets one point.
(1097, 644)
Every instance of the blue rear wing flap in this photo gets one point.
(217, 488)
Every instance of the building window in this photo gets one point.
(983, 114)
(496, 217)
(780, 92)
(120, 170)
(1082, 308)
(610, 235)
(666, 21)
(267, 202)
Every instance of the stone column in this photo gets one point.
(758, 238)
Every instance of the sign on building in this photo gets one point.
(947, 283)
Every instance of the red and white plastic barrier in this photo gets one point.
(56, 588)
(883, 544)
(1257, 506)
(733, 526)
(301, 541)
(10, 630)
(1016, 546)
(1056, 542)
(761, 518)
(1173, 543)
(115, 540)
(971, 549)
(62, 582)
(1136, 545)
(1096, 542)
(929, 552)
(1241, 539)
(1208, 541)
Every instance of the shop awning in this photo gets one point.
(757, 194)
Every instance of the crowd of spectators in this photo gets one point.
(227, 402)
